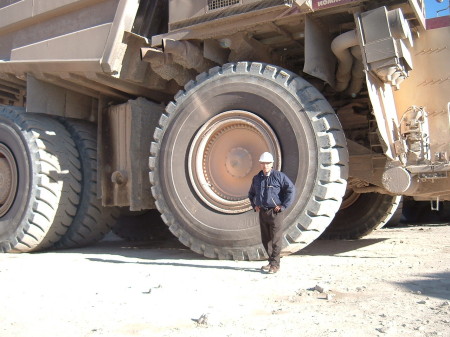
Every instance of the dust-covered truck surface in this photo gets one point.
(136, 114)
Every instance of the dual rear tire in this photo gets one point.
(41, 174)
(48, 183)
(92, 221)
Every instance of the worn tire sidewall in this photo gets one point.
(360, 218)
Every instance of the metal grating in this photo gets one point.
(229, 11)
(217, 4)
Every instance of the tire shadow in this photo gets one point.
(335, 247)
(154, 249)
(432, 285)
(151, 253)
(174, 264)
(173, 249)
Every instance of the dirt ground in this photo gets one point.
(395, 282)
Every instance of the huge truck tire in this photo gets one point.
(207, 148)
(39, 181)
(141, 226)
(360, 215)
(92, 221)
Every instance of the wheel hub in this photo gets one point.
(8, 179)
(239, 162)
(224, 157)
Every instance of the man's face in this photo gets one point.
(266, 167)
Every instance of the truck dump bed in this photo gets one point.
(92, 47)
(75, 44)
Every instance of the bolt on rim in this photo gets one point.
(224, 157)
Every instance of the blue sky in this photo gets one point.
(432, 6)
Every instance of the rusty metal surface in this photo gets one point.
(127, 131)
(429, 85)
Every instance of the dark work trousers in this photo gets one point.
(270, 223)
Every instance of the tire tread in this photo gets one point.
(91, 220)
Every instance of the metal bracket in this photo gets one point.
(434, 204)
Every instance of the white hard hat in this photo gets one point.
(266, 157)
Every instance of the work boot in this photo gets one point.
(266, 268)
(273, 269)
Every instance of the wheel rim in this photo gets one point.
(224, 156)
(349, 198)
(8, 179)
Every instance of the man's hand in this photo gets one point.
(256, 209)
(277, 209)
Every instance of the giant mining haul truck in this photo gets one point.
(114, 110)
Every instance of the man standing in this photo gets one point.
(271, 192)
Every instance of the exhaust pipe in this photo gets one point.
(357, 80)
(341, 48)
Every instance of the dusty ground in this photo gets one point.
(395, 282)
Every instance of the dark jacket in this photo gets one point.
(275, 190)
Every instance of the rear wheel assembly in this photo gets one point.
(206, 153)
(361, 214)
(39, 181)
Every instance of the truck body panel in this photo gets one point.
(429, 87)
(54, 33)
